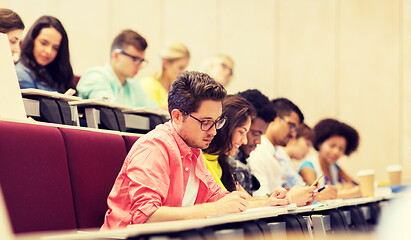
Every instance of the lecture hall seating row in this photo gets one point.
(56, 178)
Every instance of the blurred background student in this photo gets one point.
(175, 58)
(115, 81)
(333, 139)
(220, 67)
(296, 148)
(45, 59)
(12, 25)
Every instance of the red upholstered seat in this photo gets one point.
(129, 141)
(94, 161)
(34, 178)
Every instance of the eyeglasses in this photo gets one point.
(136, 60)
(208, 124)
(293, 126)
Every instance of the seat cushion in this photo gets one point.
(94, 161)
(130, 140)
(34, 178)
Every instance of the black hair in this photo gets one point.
(327, 128)
(284, 107)
(263, 106)
(60, 68)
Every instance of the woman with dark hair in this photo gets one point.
(238, 113)
(12, 25)
(333, 139)
(45, 59)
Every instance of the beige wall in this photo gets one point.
(345, 59)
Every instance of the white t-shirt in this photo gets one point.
(190, 194)
(266, 168)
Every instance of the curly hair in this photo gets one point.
(261, 103)
(327, 128)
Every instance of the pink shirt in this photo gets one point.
(154, 174)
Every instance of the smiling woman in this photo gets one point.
(333, 139)
(45, 59)
(238, 113)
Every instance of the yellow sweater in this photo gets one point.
(155, 90)
(211, 162)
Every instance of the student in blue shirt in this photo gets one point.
(115, 81)
(45, 59)
(333, 139)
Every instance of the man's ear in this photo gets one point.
(114, 54)
(177, 116)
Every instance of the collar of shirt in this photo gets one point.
(266, 144)
(117, 83)
(185, 150)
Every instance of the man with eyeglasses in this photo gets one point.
(164, 176)
(264, 161)
(115, 80)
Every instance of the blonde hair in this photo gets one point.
(171, 52)
(211, 62)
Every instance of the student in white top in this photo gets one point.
(297, 148)
(263, 160)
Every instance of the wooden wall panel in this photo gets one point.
(144, 17)
(368, 97)
(405, 93)
(89, 32)
(247, 34)
(306, 56)
(193, 23)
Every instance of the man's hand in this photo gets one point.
(231, 203)
(278, 198)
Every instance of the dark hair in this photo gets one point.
(190, 89)
(265, 109)
(237, 110)
(129, 37)
(9, 21)
(60, 68)
(306, 132)
(327, 128)
(284, 107)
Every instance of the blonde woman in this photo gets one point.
(174, 60)
(219, 67)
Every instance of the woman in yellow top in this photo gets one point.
(238, 113)
(174, 60)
